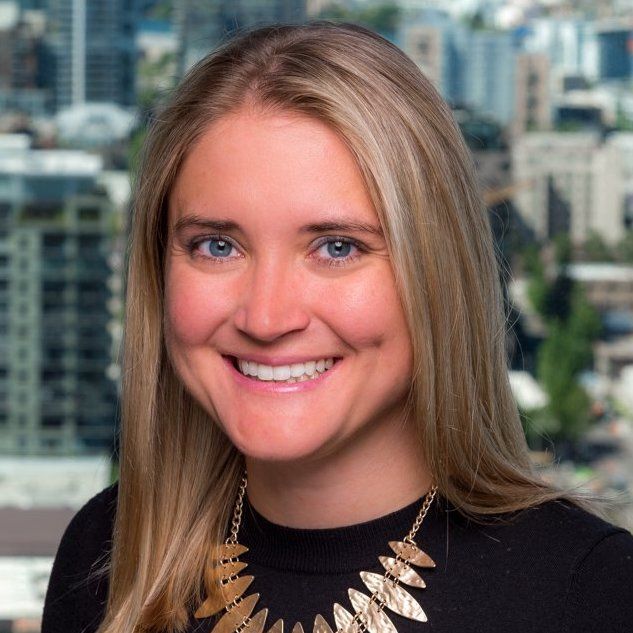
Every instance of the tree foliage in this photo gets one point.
(572, 326)
(596, 249)
(625, 248)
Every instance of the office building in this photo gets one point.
(489, 74)
(437, 44)
(533, 108)
(56, 299)
(92, 51)
(569, 43)
(575, 183)
(615, 51)
(22, 61)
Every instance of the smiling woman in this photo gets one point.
(317, 420)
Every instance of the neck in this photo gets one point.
(346, 488)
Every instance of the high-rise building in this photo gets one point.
(615, 46)
(489, 74)
(532, 107)
(56, 299)
(22, 82)
(202, 25)
(575, 183)
(92, 51)
(569, 43)
(437, 43)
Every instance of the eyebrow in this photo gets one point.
(337, 226)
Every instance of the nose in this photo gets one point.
(272, 304)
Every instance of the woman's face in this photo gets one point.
(277, 267)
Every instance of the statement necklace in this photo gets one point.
(386, 592)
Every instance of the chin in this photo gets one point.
(277, 444)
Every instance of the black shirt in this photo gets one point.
(552, 569)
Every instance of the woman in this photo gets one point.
(314, 370)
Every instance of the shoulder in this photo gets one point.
(562, 524)
(553, 567)
(77, 590)
(599, 585)
(590, 559)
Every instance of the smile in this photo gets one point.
(297, 372)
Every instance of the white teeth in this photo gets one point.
(297, 372)
(264, 372)
(281, 373)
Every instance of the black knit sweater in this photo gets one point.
(552, 569)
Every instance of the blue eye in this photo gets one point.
(219, 247)
(339, 251)
(339, 248)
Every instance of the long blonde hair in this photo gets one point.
(178, 472)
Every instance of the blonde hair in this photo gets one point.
(178, 472)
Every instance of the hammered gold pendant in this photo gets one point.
(400, 570)
(321, 626)
(395, 597)
(236, 616)
(375, 620)
(344, 620)
(412, 554)
(229, 592)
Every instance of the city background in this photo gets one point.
(543, 93)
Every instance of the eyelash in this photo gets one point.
(193, 245)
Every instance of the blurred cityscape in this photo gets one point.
(543, 92)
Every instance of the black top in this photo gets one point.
(552, 569)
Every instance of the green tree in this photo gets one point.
(595, 248)
(625, 248)
(559, 360)
(562, 249)
(572, 326)
(537, 287)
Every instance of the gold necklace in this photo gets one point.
(369, 611)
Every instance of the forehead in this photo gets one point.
(266, 165)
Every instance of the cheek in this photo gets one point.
(192, 308)
(368, 313)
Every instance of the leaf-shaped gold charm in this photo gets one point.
(297, 628)
(278, 627)
(257, 623)
(402, 572)
(233, 618)
(321, 626)
(412, 554)
(232, 568)
(376, 620)
(394, 596)
(344, 619)
(229, 592)
(232, 550)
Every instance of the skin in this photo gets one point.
(341, 452)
